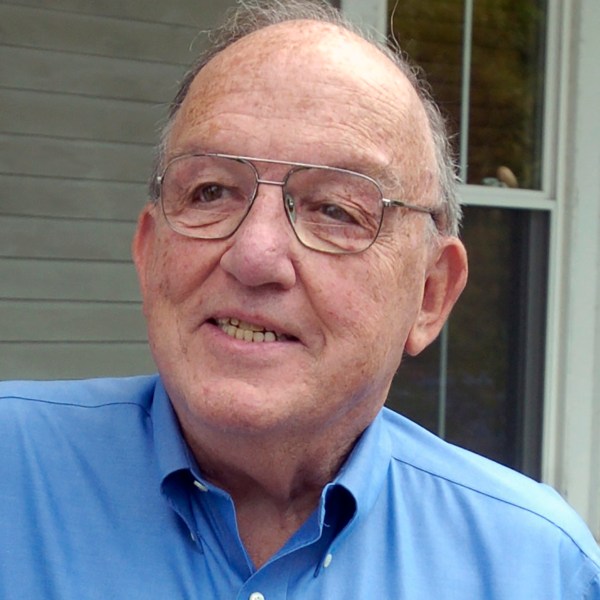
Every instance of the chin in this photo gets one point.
(241, 408)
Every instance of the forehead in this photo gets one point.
(302, 91)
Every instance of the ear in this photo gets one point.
(143, 242)
(444, 282)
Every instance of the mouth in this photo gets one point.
(250, 332)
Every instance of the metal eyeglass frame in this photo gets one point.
(288, 208)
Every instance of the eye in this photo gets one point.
(209, 192)
(337, 213)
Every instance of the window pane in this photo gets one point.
(505, 67)
(494, 372)
(506, 92)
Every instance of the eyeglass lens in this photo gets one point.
(332, 211)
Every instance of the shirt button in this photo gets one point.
(256, 596)
(200, 486)
(327, 560)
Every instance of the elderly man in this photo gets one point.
(301, 238)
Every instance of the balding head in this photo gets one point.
(326, 76)
(322, 38)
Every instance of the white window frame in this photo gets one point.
(570, 195)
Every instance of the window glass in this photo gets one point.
(501, 44)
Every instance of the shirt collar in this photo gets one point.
(171, 450)
(344, 501)
(364, 471)
(361, 476)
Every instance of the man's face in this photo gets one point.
(290, 93)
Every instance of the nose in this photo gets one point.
(263, 249)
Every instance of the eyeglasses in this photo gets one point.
(330, 209)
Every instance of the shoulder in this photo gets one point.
(87, 393)
(492, 494)
(53, 425)
(416, 449)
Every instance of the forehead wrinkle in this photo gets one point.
(359, 139)
(376, 114)
(402, 128)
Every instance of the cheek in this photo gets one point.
(373, 301)
(172, 276)
(158, 283)
(386, 302)
(178, 267)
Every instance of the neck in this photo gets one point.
(275, 484)
(277, 469)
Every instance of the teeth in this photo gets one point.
(248, 332)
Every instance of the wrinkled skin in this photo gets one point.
(304, 92)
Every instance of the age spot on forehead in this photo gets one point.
(296, 86)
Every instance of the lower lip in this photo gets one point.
(219, 337)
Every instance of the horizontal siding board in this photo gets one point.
(71, 198)
(28, 279)
(78, 117)
(195, 13)
(84, 87)
(40, 156)
(88, 34)
(45, 321)
(73, 361)
(27, 237)
(51, 71)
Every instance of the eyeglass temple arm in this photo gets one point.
(399, 204)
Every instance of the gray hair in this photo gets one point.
(252, 15)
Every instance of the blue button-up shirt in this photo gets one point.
(100, 498)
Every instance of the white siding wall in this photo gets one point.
(573, 423)
(83, 88)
